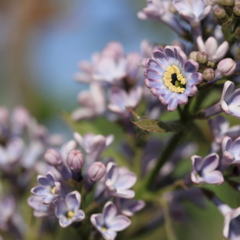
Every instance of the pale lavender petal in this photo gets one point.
(40, 191)
(215, 177)
(64, 222)
(73, 201)
(109, 212)
(61, 208)
(210, 163)
(126, 181)
(124, 193)
(119, 223)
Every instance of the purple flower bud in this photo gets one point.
(220, 14)
(227, 66)
(96, 171)
(75, 160)
(53, 157)
(236, 10)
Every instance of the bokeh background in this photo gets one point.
(41, 44)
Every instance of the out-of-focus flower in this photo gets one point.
(192, 11)
(120, 99)
(215, 52)
(119, 180)
(108, 222)
(204, 170)
(40, 209)
(159, 10)
(229, 102)
(220, 128)
(49, 188)
(231, 150)
(92, 103)
(67, 210)
(128, 207)
(171, 77)
(52, 157)
(93, 145)
(96, 171)
(231, 220)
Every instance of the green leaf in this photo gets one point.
(157, 126)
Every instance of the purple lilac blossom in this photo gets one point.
(119, 99)
(119, 180)
(192, 10)
(231, 150)
(128, 207)
(49, 188)
(204, 170)
(171, 77)
(108, 222)
(229, 102)
(67, 210)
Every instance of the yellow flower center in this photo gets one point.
(53, 190)
(174, 80)
(104, 229)
(70, 214)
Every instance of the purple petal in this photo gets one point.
(79, 215)
(190, 67)
(124, 193)
(126, 181)
(61, 208)
(97, 220)
(152, 74)
(210, 162)
(64, 222)
(73, 201)
(43, 181)
(235, 148)
(40, 191)
(215, 177)
(119, 223)
(196, 163)
(226, 143)
(150, 63)
(109, 212)
(227, 91)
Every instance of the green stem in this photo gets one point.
(164, 157)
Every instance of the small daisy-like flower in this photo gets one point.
(171, 77)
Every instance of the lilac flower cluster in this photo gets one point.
(75, 174)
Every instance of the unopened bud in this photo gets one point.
(227, 3)
(3, 116)
(210, 64)
(75, 160)
(202, 57)
(209, 74)
(221, 15)
(227, 66)
(193, 55)
(96, 171)
(53, 157)
(236, 10)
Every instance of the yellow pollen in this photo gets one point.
(104, 229)
(53, 190)
(70, 214)
(167, 78)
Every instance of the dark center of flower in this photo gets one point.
(174, 80)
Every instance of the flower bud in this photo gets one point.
(220, 14)
(20, 117)
(227, 3)
(236, 2)
(96, 171)
(210, 64)
(193, 55)
(236, 10)
(75, 160)
(227, 66)
(53, 157)
(209, 74)
(202, 57)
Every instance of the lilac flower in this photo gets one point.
(128, 207)
(93, 145)
(192, 11)
(231, 150)
(40, 209)
(108, 222)
(119, 180)
(49, 188)
(159, 10)
(220, 128)
(229, 102)
(204, 170)
(120, 99)
(171, 78)
(67, 210)
(215, 52)
(231, 220)
(7, 208)
(92, 103)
